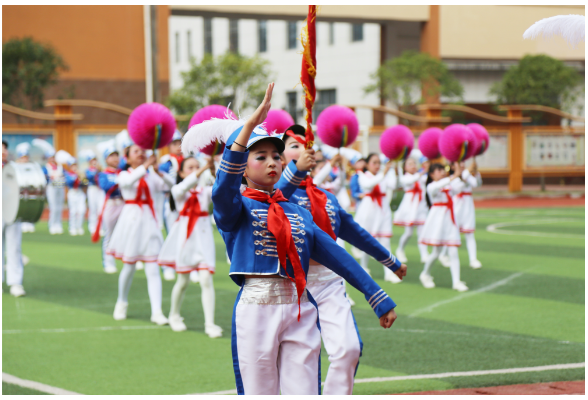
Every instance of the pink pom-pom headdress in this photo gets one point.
(337, 126)
(151, 126)
(397, 142)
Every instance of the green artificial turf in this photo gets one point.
(525, 308)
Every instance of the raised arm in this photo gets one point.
(434, 187)
(184, 186)
(226, 195)
(367, 183)
(409, 179)
(290, 180)
(469, 178)
(128, 178)
(320, 177)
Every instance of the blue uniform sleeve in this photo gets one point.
(165, 167)
(122, 163)
(290, 180)
(355, 235)
(354, 186)
(326, 251)
(226, 196)
(105, 183)
(45, 172)
(70, 179)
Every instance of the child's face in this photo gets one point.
(263, 165)
(113, 160)
(438, 174)
(93, 163)
(136, 156)
(4, 154)
(410, 166)
(374, 165)
(190, 165)
(73, 168)
(175, 147)
(293, 149)
(360, 165)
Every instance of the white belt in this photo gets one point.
(318, 274)
(270, 291)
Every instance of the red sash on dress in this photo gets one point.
(318, 202)
(193, 212)
(279, 225)
(143, 189)
(376, 195)
(449, 204)
(416, 190)
(460, 195)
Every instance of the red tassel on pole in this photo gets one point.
(308, 72)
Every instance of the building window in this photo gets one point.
(234, 35)
(331, 33)
(177, 47)
(189, 42)
(291, 34)
(356, 32)
(207, 35)
(325, 98)
(262, 34)
(292, 104)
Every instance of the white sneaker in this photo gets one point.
(351, 302)
(476, 264)
(159, 319)
(110, 269)
(445, 261)
(25, 260)
(51, 230)
(460, 287)
(176, 323)
(120, 311)
(391, 277)
(169, 274)
(213, 331)
(427, 281)
(194, 277)
(59, 230)
(73, 233)
(139, 266)
(424, 259)
(17, 290)
(401, 255)
(81, 231)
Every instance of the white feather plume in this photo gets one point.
(23, 148)
(571, 27)
(101, 147)
(44, 145)
(87, 154)
(122, 140)
(201, 135)
(62, 157)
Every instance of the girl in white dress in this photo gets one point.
(190, 243)
(373, 212)
(465, 212)
(413, 209)
(440, 228)
(137, 236)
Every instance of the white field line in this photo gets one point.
(90, 329)
(495, 228)
(524, 338)
(447, 375)
(466, 294)
(41, 387)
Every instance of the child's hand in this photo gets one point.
(306, 161)
(401, 272)
(388, 319)
(261, 113)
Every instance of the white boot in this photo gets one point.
(25, 260)
(139, 266)
(427, 281)
(110, 269)
(17, 290)
(194, 277)
(176, 323)
(391, 276)
(213, 331)
(401, 255)
(81, 231)
(120, 311)
(159, 319)
(169, 274)
(460, 287)
(445, 261)
(475, 264)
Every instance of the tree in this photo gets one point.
(400, 78)
(540, 80)
(230, 77)
(28, 68)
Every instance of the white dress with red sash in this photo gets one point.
(440, 228)
(413, 207)
(465, 212)
(137, 236)
(373, 212)
(190, 243)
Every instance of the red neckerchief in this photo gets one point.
(376, 195)
(448, 204)
(110, 170)
(143, 189)
(193, 212)
(52, 165)
(76, 183)
(416, 190)
(179, 158)
(279, 225)
(298, 139)
(318, 202)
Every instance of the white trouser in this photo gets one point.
(55, 199)
(11, 251)
(109, 218)
(273, 352)
(95, 202)
(339, 333)
(76, 204)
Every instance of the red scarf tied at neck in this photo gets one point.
(279, 225)
(376, 195)
(448, 204)
(193, 212)
(416, 190)
(318, 202)
(143, 189)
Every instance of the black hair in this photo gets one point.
(432, 169)
(367, 160)
(297, 130)
(5, 144)
(172, 202)
(127, 152)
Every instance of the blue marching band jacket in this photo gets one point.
(107, 179)
(354, 187)
(342, 222)
(242, 223)
(92, 176)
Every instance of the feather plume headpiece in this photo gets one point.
(45, 146)
(571, 27)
